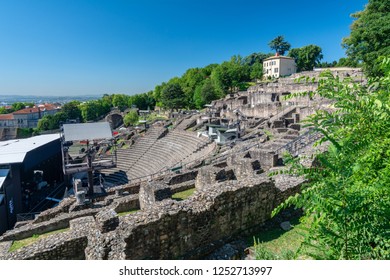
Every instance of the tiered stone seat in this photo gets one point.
(149, 156)
(127, 158)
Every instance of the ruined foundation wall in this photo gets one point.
(165, 229)
(185, 229)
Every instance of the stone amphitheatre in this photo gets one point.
(233, 193)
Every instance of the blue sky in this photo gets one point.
(77, 47)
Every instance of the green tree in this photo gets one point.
(347, 62)
(348, 198)
(172, 96)
(142, 101)
(120, 101)
(131, 118)
(256, 71)
(205, 93)
(369, 38)
(254, 58)
(45, 123)
(72, 110)
(279, 45)
(326, 64)
(90, 110)
(3, 110)
(51, 122)
(192, 78)
(231, 76)
(18, 106)
(306, 57)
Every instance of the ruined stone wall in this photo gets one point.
(185, 229)
(223, 206)
(68, 245)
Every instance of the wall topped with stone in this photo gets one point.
(166, 229)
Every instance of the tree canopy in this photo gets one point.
(172, 96)
(279, 45)
(131, 118)
(370, 35)
(306, 57)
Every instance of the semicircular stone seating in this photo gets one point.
(151, 154)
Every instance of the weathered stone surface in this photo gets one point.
(208, 176)
(63, 207)
(151, 192)
(244, 168)
(107, 220)
(267, 158)
(163, 229)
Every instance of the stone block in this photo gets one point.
(81, 223)
(267, 158)
(150, 192)
(296, 117)
(243, 168)
(279, 124)
(295, 126)
(107, 220)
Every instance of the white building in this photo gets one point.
(279, 66)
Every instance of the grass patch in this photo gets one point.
(269, 134)
(17, 244)
(183, 195)
(127, 212)
(277, 244)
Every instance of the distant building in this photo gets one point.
(18, 160)
(7, 120)
(28, 117)
(279, 66)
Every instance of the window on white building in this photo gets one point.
(276, 70)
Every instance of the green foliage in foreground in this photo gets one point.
(348, 198)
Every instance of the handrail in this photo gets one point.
(21, 217)
(52, 194)
(310, 136)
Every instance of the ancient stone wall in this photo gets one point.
(185, 229)
(165, 229)
(68, 245)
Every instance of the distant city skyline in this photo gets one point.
(83, 47)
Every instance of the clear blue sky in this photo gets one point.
(75, 47)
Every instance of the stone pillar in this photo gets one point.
(206, 177)
(267, 158)
(80, 197)
(243, 168)
(151, 192)
(107, 220)
(296, 117)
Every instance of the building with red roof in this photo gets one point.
(27, 117)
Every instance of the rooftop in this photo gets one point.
(4, 117)
(278, 57)
(36, 109)
(87, 131)
(14, 151)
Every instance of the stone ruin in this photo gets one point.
(234, 194)
(227, 202)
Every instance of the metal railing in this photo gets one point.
(295, 146)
